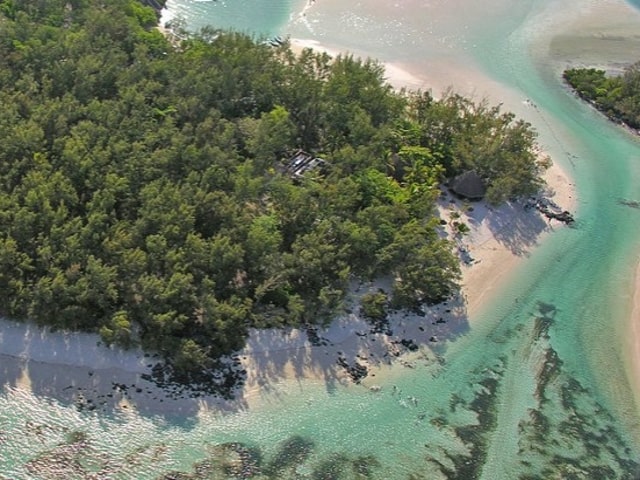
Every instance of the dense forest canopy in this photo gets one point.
(617, 96)
(142, 193)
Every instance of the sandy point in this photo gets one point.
(502, 238)
(395, 74)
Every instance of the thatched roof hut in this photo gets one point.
(469, 185)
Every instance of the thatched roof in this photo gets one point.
(469, 185)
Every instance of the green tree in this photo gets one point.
(118, 331)
(424, 267)
(270, 137)
(375, 305)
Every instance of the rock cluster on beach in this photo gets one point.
(355, 370)
(221, 381)
(551, 210)
(157, 387)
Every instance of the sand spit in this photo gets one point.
(395, 74)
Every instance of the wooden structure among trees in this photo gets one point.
(302, 162)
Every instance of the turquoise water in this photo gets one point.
(536, 390)
(260, 17)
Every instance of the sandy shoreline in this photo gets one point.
(395, 74)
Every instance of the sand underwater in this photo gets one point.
(541, 383)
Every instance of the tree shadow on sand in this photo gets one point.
(514, 225)
(76, 370)
(351, 349)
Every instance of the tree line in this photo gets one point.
(617, 96)
(142, 194)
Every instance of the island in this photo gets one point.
(150, 190)
(617, 96)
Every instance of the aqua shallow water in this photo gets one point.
(536, 389)
(261, 17)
